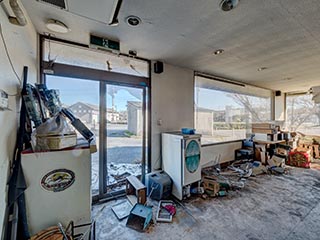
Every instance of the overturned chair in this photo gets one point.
(247, 150)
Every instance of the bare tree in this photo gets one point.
(257, 107)
(300, 110)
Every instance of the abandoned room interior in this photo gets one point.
(159, 119)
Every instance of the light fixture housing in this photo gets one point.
(218, 52)
(261, 69)
(227, 5)
(133, 21)
(57, 26)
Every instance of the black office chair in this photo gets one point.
(246, 151)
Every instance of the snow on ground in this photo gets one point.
(124, 155)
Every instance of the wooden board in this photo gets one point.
(137, 188)
(264, 125)
(264, 130)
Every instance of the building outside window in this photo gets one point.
(224, 111)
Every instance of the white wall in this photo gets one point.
(210, 155)
(279, 107)
(172, 104)
(22, 46)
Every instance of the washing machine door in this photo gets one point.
(192, 168)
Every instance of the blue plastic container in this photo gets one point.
(188, 131)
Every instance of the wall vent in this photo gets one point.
(62, 4)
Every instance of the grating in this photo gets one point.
(56, 3)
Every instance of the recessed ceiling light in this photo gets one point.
(218, 51)
(133, 21)
(57, 26)
(261, 69)
(227, 5)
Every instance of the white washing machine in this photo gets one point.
(181, 160)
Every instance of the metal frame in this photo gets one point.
(105, 77)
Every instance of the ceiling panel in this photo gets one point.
(99, 10)
(281, 35)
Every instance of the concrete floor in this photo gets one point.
(269, 207)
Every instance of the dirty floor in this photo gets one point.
(269, 207)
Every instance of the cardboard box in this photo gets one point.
(56, 142)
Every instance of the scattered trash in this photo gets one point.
(211, 186)
(159, 185)
(139, 218)
(222, 193)
(166, 210)
(135, 190)
(122, 210)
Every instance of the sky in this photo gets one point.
(215, 100)
(77, 90)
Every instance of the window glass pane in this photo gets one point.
(124, 115)
(77, 95)
(303, 115)
(223, 115)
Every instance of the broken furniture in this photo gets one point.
(140, 217)
(246, 151)
(211, 186)
(267, 148)
(135, 190)
(159, 185)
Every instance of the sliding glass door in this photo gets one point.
(116, 114)
(125, 134)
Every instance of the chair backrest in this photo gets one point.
(247, 143)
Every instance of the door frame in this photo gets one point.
(104, 77)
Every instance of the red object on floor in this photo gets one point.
(299, 159)
(171, 209)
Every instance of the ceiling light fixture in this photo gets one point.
(218, 51)
(227, 5)
(57, 26)
(133, 21)
(261, 69)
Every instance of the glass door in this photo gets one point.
(82, 98)
(125, 138)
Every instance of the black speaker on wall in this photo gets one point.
(158, 67)
(278, 93)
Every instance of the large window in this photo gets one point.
(303, 115)
(224, 111)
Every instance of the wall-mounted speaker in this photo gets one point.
(158, 67)
(278, 93)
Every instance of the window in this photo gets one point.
(303, 115)
(224, 111)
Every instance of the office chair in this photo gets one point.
(247, 150)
